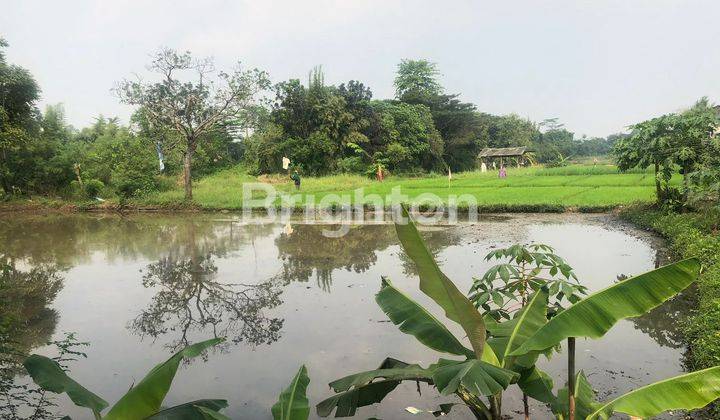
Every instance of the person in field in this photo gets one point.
(503, 172)
(296, 178)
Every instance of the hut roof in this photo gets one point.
(502, 151)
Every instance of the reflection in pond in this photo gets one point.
(664, 323)
(26, 322)
(306, 252)
(25, 319)
(190, 299)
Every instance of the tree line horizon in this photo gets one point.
(200, 120)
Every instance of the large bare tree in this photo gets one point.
(191, 100)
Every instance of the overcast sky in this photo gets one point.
(596, 65)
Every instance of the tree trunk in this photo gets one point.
(658, 188)
(187, 175)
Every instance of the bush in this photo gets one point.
(352, 165)
(93, 188)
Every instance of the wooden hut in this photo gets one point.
(504, 155)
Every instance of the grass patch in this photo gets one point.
(588, 187)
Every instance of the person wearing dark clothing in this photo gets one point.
(296, 178)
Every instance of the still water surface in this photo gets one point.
(138, 288)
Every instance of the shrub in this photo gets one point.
(352, 165)
(93, 187)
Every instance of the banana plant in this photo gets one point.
(476, 379)
(142, 401)
(505, 289)
(593, 317)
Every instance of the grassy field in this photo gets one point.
(532, 189)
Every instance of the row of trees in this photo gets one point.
(196, 120)
(686, 143)
(326, 129)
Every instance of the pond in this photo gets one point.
(138, 288)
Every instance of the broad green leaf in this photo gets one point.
(593, 316)
(684, 392)
(489, 356)
(200, 409)
(48, 375)
(293, 404)
(210, 414)
(509, 335)
(415, 320)
(439, 288)
(584, 399)
(477, 377)
(145, 398)
(363, 388)
(537, 384)
(346, 403)
(527, 322)
(364, 378)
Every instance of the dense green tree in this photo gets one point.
(19, 149)
(648, 146)
(416, 81)
(511, 130)
(464, 130)
(405, 137)
(671, 143)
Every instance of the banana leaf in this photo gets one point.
(593, 316)
(684, 392)
(537, 384)
(439, 288)
(293, 404)
(584, 399)
(363, 388)
(200, 409)
(415, 320)
(477, 377)
(509, 335)
(145, 398)
(48, 375)
(346, 403)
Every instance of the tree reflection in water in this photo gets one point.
(26, 322)
(191, 300)
(306, 251)
(664, 323)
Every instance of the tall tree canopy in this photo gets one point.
(192, 99)
(416, 81)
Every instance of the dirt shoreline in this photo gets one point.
(66, 207)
